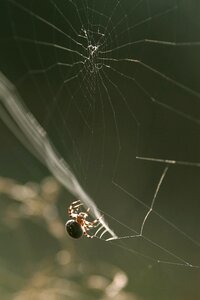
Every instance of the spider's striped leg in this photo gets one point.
(87, 234)
(83, 214)
(76, 204)
(94, 223)
(73, 208)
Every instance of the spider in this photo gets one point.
(78, 225)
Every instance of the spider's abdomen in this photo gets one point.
(74, 229)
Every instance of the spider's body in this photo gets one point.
(78, 225)
(74, 229)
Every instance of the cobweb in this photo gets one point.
(111, 106)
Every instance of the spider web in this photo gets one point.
(114, 88)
